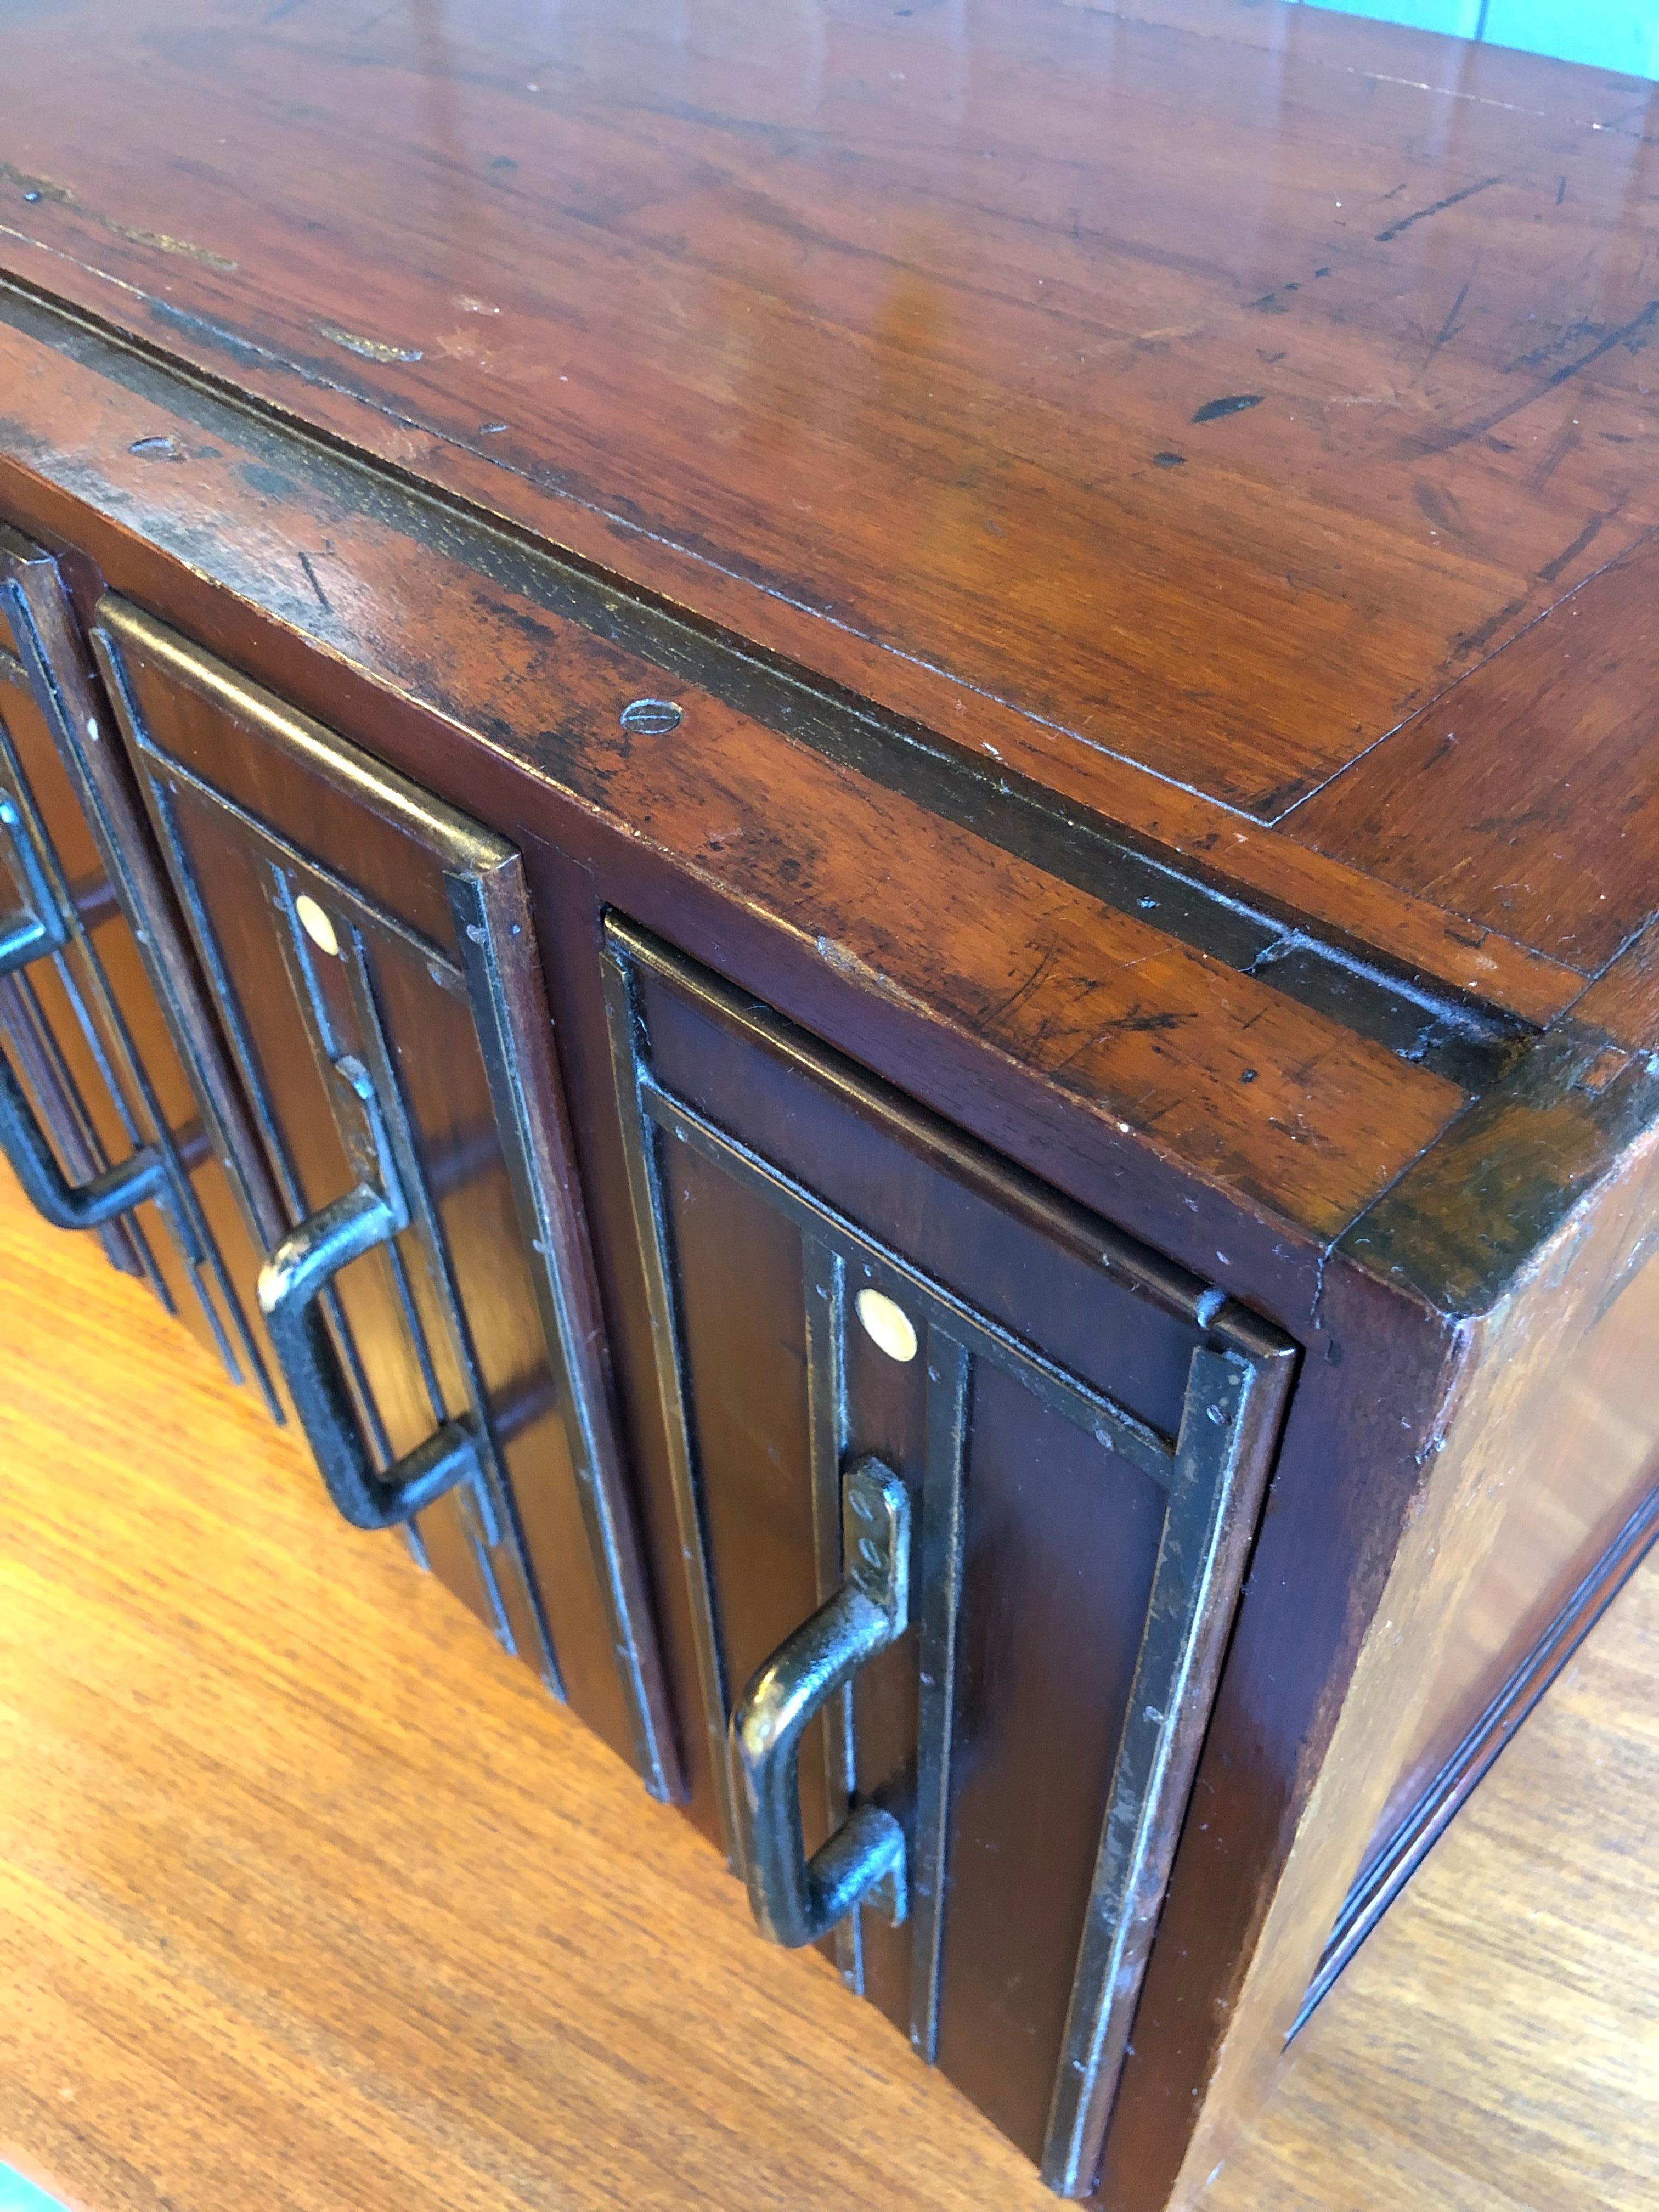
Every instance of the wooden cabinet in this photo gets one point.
(1080, 1434)
(891, 939)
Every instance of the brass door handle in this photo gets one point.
(25, 938)
(794, 1900)
(291, 1283)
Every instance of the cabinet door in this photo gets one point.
(965, 1481)
(370, 955)
(100, 1118)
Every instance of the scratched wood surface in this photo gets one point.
(1217, 1067)
(1527, 798)
(299, 1877)
(1201, 386)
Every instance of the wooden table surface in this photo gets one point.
(309, 1898)
(1166, 404)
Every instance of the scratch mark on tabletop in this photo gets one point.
(36, 188)
(367, 348)
(1449, 328)
(1422, 215)
(1554, 453)
(1234, 404)
(1439, 509)
(1568, 554)
(1634, 334)
(310, 578)
(1016, 997)
(164, 243)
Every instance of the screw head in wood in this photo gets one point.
(650, 718)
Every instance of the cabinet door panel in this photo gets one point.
(371, 956)
(97, 1058)
(1089, 1301)
(1080, 1433)
(1060, 1540)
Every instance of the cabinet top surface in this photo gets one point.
(1204, 386)
(1232, 419)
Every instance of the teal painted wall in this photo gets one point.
(17, 2195)
(1608, 34)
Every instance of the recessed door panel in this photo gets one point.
(371, 957)
(103, 1098)
(964, 1478)
(1060, 1550)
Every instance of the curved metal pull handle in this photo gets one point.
(65, 1205)
(291, 1282)
(795, 1900)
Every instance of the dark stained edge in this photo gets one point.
(1425, 1023)
(1462, 1223)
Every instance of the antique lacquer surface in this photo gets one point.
(897, 338)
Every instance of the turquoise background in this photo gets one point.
(1609, 34)
(17, 2195)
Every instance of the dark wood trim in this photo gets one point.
(1388, 1871)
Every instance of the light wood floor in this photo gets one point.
(309, 1901)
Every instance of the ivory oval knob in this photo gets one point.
(886, 1324)
(316, 925)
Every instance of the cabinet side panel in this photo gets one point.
(1566, 1519)
(1501, 1438)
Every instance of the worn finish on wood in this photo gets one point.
(1527, 798)
(1625, 1002)
(280, 1866)
(910, 352)
(975, 664)
(1223, 1068)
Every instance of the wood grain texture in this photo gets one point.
(1207, 387)
(1495, 2046)
(298, 1874)
(1528, 796)
(1626, 1002)
(130, 437)
(463, 642)
(302, 1878)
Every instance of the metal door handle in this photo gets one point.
(291, 1282)
(25, 938)
(794, 1900)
